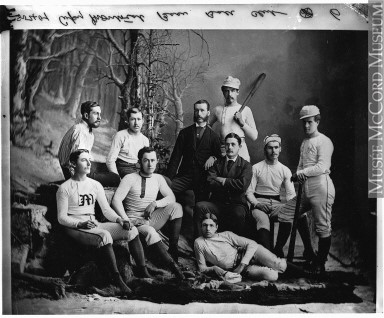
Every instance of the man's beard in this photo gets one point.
(205, 119)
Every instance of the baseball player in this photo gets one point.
(268, 177)
(231, 120)
(318, 189)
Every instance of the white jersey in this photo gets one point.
(315, 156)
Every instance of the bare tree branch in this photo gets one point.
(117, 46)
(53, 56)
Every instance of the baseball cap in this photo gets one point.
(309, 111)
(270, 138)
(231, 82)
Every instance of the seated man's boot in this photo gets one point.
(162, 254)
(118, 281)
(263, 238)
(142, 272)
(282, 238)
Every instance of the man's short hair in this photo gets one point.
(233, 135)
(209, 216)
(202, 101)
(133, 110)
(317, 118)
(76, 154)
(87, 106)
(144, 150)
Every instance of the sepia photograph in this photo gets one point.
(191, 167)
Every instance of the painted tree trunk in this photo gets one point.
(74, 100)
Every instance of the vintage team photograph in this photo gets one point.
(190, 171)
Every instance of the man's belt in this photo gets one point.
(125, 163)
(265, 196)
(239, 256)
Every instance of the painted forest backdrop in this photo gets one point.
(165, 71)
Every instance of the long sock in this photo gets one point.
(137, 253)
(263, 238)
(282, 237)
(174, 233)
(161, 253)
(305, 234)
(107, 254)
(324, 247)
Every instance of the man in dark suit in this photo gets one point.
(228, 180)
(196, 149)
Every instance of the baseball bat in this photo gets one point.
(292, 242)
(255, 87)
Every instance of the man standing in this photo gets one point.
(80, 136)
(268, 177)
(122, 157)
(196, 149)
(135, 201)
(231, 120)
(318, 189)
(228, 179)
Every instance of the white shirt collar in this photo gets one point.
(234, 159)
(204, 125)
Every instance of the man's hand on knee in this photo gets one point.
(86, 225)
(263, 207)
(149, 210)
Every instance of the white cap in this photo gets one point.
(270, 138)
(231, 82)
(309, 111)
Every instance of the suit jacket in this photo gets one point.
(190, 157)
(236, 184)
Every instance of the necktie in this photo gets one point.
(199, 131)
(230, 164)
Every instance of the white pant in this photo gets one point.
(103, 234)
(262, 218)
(318, 195)
(271, 265)
(158, 219)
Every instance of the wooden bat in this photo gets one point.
(292, 242)
(255, 87)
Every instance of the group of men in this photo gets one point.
(224, 182)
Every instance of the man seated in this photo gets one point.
(227, 251)
(135, 201)
(228, 179)
(76, 200)
(268, 177)
(122, 157)
(80, 136)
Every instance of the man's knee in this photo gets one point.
(132, 234)
(201, 208)
(150, 234)
(104, 238)
(323, 231)
(175, 210)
